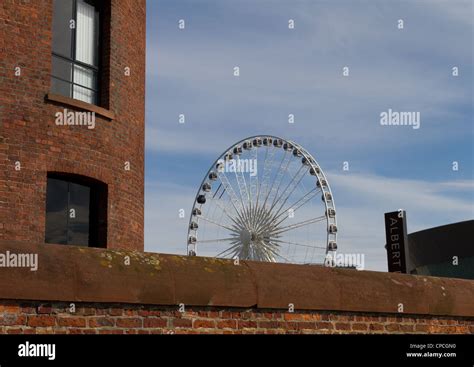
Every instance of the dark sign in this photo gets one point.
(396, 235)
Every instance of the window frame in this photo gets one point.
(98, 208)
(72, 58)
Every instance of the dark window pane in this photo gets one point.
(56, 211)
(60, 87)
(61, 69)
(76, 211)
(79, 201)
(62, 32)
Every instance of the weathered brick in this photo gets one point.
(116, 312)
(182, 323)
(324, 325)
(407, 328)
(72, 321)
(225, 314)
(146, 313)
(359, 326)
(205, 324)
(85, 311)
(28, 310)
(268, 324)
(342, 326)
(41, 321)
(305, 325)
(246, 324)
(302, 317)
(44, 309)
(226, 324)
(460, 329)
(8, 308)
(292, 325)
(375, 327)
(129, 322)
(155, 322)
(101, 321)
(422, 328)
(12, 319)
(392, 327)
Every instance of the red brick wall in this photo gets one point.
(18, 317)
(28, 133)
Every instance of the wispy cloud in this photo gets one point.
(361, 201)
(337, 118)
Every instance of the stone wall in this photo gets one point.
(84, 290)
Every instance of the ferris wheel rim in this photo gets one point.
(313, 163)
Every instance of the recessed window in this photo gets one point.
(76, 51)
(76, 211)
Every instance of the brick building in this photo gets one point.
(67, 177)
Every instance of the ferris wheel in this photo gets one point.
(264, 199)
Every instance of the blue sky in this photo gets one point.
(337, 118)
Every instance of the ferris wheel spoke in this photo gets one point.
(298, 225)
(307, 197)
(237, 222)
(295, 206)
(267, 170)
(253, 189)
(278, 175)
(262, 251)
(295, 182)
(259, 188)
(234, 246)
(217, 224)
(286, 160)
(273, 251)
(216, 240)
(244, 195)
(291, 186)
(218, 188)
(274, 193)
(297, 244)
(283, 257)
(260, 220)
(229, 190)
(253, 175)
(231, 193)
